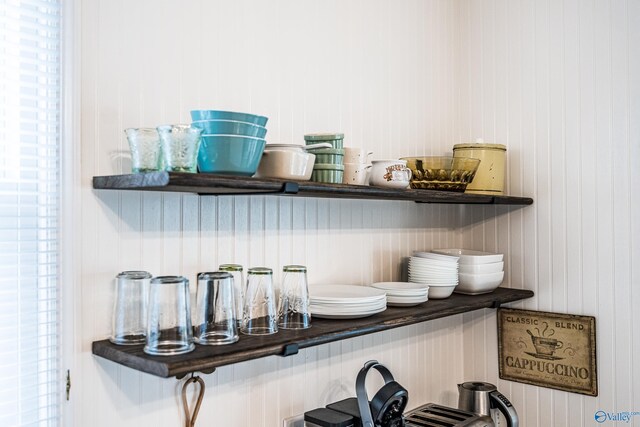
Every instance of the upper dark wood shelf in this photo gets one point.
(286, 342)
(236, 185)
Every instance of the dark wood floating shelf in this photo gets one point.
(210, 184)
(286, 342)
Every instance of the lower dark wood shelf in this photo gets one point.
(285, 342)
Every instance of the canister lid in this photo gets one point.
(323, 136)
(480, 144)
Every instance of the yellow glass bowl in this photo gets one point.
(444, 173)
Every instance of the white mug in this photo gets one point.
(390, 173)
(356, 155)
(355, 173)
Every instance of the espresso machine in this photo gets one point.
(386, 408)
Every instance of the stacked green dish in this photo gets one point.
(323, 172)
(329, 165)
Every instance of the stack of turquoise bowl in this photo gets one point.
(329, 165)
(232, 143)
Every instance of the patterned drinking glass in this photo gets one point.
(180, 145)
(146, 154)
(259, 314)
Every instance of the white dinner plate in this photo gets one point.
(346, 293)
(347, 315)
(405, 304)
(398, 286)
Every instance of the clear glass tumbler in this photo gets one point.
(216, 321)
(259, 314)
(180, 145)
(293, 305)
(129, 320)
(146, 154)
(238, 285)
(169, 329)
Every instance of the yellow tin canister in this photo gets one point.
(489, 178)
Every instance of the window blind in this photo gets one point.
(29, 208)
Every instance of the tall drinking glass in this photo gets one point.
(238, 286)
(259, 314)
(215, 322)
(293, 305)
(169, 330)
(129, 320)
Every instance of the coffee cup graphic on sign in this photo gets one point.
(545, 346)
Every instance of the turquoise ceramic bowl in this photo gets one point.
(230, 127)
(197, 115)
(230, 155)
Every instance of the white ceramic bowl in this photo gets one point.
(468, 256)
(492, 267)
(440, 292)
(474, 284)
(437, 257)
(286, 164)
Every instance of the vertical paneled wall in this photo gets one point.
(557, 82)
(382, 72)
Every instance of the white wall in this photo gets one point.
(379, 71)
(557, 82)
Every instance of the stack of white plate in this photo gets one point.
(403, 294)
(479, 272)
(439, 272)
(346, 301)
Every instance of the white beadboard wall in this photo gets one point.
(558, 83)
(379, 71)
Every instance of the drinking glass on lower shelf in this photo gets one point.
(215, 320)
(259, 314)
(238, 287)
(129, 319)
(293, 305)
(169, 330)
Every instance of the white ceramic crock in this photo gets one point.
(286, 163)
(355, 173)
(390, 173)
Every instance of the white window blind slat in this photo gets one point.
(30, 32)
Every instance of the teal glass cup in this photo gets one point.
(146, 153)
(180, 145)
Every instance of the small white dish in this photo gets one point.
(492, 267)
(479, 283)
(440, 292)
(468, 256)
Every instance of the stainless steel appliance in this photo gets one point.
(483, 398)
(432, 415)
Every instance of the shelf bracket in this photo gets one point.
(496, 304)
(202, 371)
(290, 188)
(290, 349)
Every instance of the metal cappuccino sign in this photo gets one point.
(548, 349)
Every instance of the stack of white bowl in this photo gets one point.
(439, 272)
(403, 294)
(479, 272)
